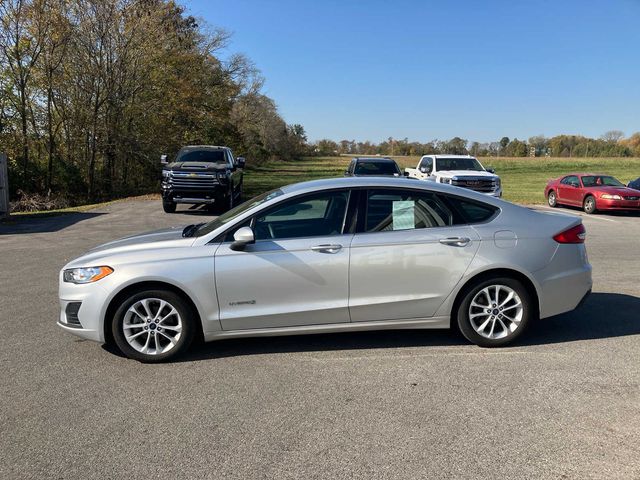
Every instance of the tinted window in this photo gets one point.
(376, 168)
(571, 180)
(472, 212)
(316, 215)
(214, 156)
(427, 163)
(389, 210)
(464, 163)
(601, 180)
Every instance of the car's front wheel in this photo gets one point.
(552, 199)
(153, 326)
(495, 312)
(168, 206)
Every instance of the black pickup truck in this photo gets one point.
(202, 174)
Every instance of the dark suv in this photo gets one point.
(377, 167)
(202, 174)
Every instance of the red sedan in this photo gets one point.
(591, 192)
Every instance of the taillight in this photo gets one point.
(575, 234)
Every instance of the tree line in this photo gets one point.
(610, 144)
(93, 91)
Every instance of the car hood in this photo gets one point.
(465, 173)
(166, 234)
(615, 190)
(195, 166)
(165, 238)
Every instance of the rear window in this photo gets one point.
(376, 168)
(472, 212)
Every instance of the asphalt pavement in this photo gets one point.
(564, 402)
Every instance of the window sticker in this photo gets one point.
(403, 215)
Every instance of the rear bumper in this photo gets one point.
(565, 282)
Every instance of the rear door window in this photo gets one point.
(391, 210)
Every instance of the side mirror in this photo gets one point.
(163, 159)
(346, 173)
(242, 238)
(490, 170)
(240, 162)
(405, 173)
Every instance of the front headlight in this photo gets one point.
(445, 180)
(86, 274)
(166, 174)
(611, 197)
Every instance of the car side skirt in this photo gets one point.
(411, 323)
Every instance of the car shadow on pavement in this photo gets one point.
(43, 223)
(604, 315)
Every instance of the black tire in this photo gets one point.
(464, 321)
(224, 204)
(187, 333)
(552, 199)
(168, 207)
(589, 205)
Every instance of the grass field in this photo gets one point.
(523, 179)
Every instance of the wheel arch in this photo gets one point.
(133, 288)
(493, 273)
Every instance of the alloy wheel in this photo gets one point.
(496, 311)
(152, 326)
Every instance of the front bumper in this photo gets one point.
(608, 204)
(183, 195)
(92, 298)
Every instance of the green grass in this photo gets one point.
(523, 179)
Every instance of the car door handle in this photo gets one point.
(455, 241)
(333, 248)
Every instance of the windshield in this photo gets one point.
(377, 168)
(234, 212)
(213, 156)
(458, 164)
(601, 181)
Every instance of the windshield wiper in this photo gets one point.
(189, 230)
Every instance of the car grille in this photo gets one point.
(194, 180)
(632, 198)
(478, 184)
(71, 313)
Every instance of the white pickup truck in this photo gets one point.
(457, 170)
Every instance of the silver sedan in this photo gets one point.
(331, 256)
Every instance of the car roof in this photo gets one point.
(374, 159)
(203, 147)
(587, 175)
(444, 155)
(392, 182)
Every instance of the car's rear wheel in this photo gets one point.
(495, 312)
(552, 200)
(589, 204)
(168, 207)
(153, 326)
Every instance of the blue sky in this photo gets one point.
(425, 69)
